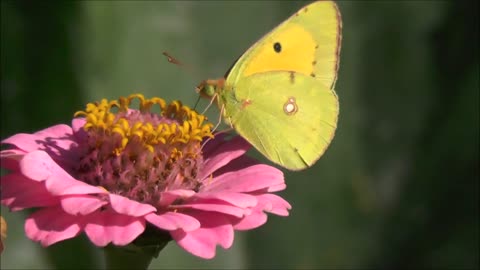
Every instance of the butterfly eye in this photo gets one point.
(277, 47)
(209, 90)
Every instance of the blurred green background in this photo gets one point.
(397, 189)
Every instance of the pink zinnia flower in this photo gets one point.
(113, 175)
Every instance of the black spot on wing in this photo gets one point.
(277, 47)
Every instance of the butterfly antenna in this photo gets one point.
(172, 59)
(175, 61)
(196, 103)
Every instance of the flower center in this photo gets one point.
(139, 153)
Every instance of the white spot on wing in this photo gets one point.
(290, 107)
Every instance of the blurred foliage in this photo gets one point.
(397, 189)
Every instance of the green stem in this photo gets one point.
(138, 254)
(129, 257)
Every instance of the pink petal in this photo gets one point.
(216, 229)
(19, 192)
(171, 221)
(276, 205)
(81, 204)
(77, 124)
(237, 164)
(78, 131)
(168, 197)
(39, 166)
(218, 207)
(237, 199)
(107, 226)
(129, 207)
(57, 141)
(10, 158)
(223, 154)
(217, 142)
(267, 202)
(51, 225)
(53, 136)
(275, 188)
(252, 221)
(253, 178)
(16, 154)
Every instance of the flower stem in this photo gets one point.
(129, 257)
(138, 254)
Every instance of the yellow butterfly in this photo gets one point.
(279, 95)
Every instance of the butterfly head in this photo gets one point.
(209, 88)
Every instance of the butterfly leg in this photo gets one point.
(219, 118)
(217, 125)
(210, 104)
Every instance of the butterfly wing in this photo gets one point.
(279, 95)
(289, 117)
(308, 42)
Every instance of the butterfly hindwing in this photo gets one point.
(289, 117)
